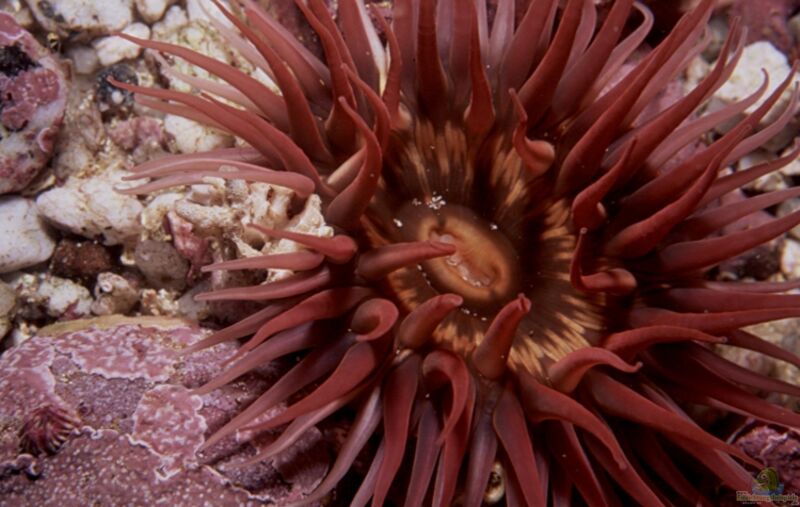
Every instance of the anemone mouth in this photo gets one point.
(515, 273)
(484, 269)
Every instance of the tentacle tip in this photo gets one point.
(125, 190)
(453, 300)
(523, 303)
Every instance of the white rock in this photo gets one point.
(84, 59)
(192, 137)
(111, 50)
(152, 10)
(747, 77)
(173, 20)
(52, 295)
(790, 259)
(24, 240)
(64, 295)
(81, 17)
(91, 207)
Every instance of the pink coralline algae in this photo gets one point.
(103, 412)
(31, 106)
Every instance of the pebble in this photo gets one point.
(84, 59)
(152, 10)
(92, 208)
(24, 240)
(111, 50)
(113, 294)
(161, 264)
(80, 260)
(173, 20)
(790, 259)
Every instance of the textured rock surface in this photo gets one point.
(111, 50)
(90, 207)
(137, 424)
(80, 260)
(31, 106)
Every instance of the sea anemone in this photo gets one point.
(518, 278)
(46, 429)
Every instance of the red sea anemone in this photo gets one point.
(518, 273)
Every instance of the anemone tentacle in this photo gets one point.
(520, 255)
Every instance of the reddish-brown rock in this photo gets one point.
(768, 20)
